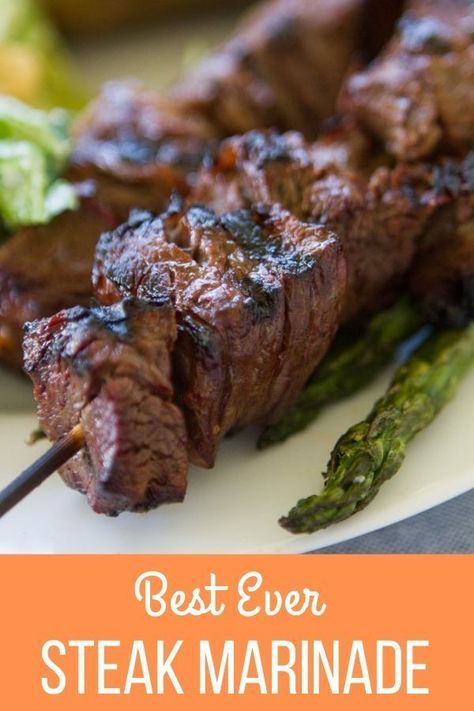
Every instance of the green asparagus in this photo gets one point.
(350, 365)
(373, 450)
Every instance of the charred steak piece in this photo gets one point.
(109, 369)
(257, 297)
(418, 96)
(44, 269)
(138, 147)
(378, 221)
(283, 67)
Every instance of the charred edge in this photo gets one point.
(266, 147)
(454, 177)
(200, 335)
(83, 323)
(423, 34)
(244, 228)
(262, 298)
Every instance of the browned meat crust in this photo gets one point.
(110, 370)
(418, 96)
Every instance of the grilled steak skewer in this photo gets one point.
(257, 291)
(240, 286)
(140, 146)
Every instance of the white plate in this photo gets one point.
(234, 508)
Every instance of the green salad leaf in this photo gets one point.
(34, 147)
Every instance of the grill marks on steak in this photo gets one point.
(44, 269)
(109, 369)
(417, 96)
(138, 147)
(257, 296)
(378, 220)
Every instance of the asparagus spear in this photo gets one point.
(351, 363)
(373, 450)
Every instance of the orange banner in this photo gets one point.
(215, 632)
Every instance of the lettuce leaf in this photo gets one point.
(34, 147)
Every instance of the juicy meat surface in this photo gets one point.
(138, 147)
(418, 96)
(44, 269)
(378, 220)
(257, 297)
(283, 67)
(109, 369)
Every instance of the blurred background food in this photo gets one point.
(34, 64)
(58, 52)
(47, 62)
(90, 16)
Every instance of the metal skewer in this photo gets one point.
(32, 477)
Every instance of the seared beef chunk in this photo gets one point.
(109, 369)
(44, 269)
(418, 96)
(138, 147)
(378, 221)
(257, 297)
(282, 68)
